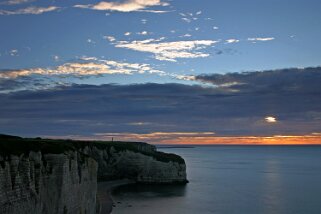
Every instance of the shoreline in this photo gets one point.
(104, 199)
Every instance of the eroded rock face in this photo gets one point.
(61, 177)
(49, 183)
(146, 169)
(140, 167)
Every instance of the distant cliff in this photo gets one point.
(60, 176)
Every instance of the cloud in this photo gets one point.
(110, 38)
(126, 6)
(229, 41)
(186, 35)
(56, 58)
(237, 104)
(14, 52)
(143, 33)
(51, 77)
(169, 51)
(127, 34)
(29, 10)
(91, 41)
(293, 80)
(154, 11)
(87, 67)
(15, 2)
(189, 17)
(261, 39)
(186, 19)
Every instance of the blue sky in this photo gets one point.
(49, 45)
(68, 33)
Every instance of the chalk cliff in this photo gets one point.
(138, 165)
(48, 183)
(60, 176)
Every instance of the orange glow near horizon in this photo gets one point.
(249, 140)
(204, 138)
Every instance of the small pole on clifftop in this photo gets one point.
(112, 139)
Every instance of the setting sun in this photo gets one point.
(270, 119)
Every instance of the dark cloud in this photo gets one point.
(228, 51)
(291, 95)
(24, 83)
(293, 80)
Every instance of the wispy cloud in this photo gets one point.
(14, 52)
(110, 38)
(45, 78)
(15, 2)
(127, 6)
(229, 41)
(186, 19)
(144, 33)
(262, 39)
(56, 58)
(186, 35)
(189, 17)
(87, 67)
(169, 51)
(29, 10)
(91, 41)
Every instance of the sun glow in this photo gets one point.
(203, 138)
(250, 140)
(270, 119)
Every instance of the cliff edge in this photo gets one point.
(60, 176)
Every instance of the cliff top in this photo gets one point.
(17, 145)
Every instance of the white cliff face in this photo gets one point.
(137, 166)
(66, 183)
(146, 169)
(48, 184)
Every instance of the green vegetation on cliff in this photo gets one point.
(13, 145)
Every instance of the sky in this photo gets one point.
(161, 71)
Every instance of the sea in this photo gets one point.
(233, 180)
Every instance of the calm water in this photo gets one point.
(234, 179)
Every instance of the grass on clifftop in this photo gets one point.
(13, 145)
